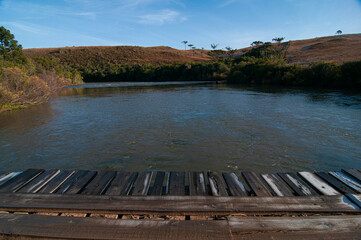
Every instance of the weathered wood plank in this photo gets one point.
(99, 183)
(39, 181)
(20, 180)
(347, 180)
(75, 179)
(307, 224)
(121, 184)
(217, 184)
(142, 183)
(158, 183)
(354, 173)
(319, 184)
(256, 184)
(176, 183)
(181, 205)
(297, 184)
(235, 187)
(356, 199)
(343, 188)
(287, 235)
(38, 226)
(277, 185)
(56, 182)
(8, 176)
(197, 185)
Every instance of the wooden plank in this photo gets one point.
(180, 205)
(122, 183)
(76, 181)
(354, 173)
(343, 188)
(298, 185)
(20, 180)
(38, 226)
(356, 199)
(319, 184)
(294, 235)
(158, 183)
(8, 176)
(39, 181)
(176, 183)
(197, 185)
(56, 182)
(217, 184)
(277, 185)
(347, 180)
(256, 184)
(235, 187)
(142, 183)
(321, 224)
(98, 185)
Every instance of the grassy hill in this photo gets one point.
(90, 56)
(338, 49)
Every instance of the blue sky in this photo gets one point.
(234, 23)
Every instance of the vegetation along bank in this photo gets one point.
(31, 76)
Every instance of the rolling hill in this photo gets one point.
(338, 49)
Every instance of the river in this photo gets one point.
(185, 126)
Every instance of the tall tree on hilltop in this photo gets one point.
(214, 46)
(278, 39)
(339, 32)
(9, 47)
(185, 44)
(256, 43)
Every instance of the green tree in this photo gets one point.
(339, 32)
(214, 46)
(9, 47)
(185, 44)
(278, 39)
(190, 45)
(256, 43)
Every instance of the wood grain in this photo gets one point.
(100, 228)
(122, 183)
(18, 181)
(235, 187)
(319, 184)
(186, 205)
(176, 183)
(142, 183)
(256, 184)
(197, 185)
(217, 184)
(39, 181)
(158, 183)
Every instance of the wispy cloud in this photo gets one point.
(161, 17)
(23, 26)
(226, 3)
(229, 2)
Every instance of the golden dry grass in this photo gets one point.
(338, 49)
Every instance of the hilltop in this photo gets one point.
(338, 49)
(90, 56)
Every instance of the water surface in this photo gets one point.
(124, 126)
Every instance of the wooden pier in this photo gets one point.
(61, 204)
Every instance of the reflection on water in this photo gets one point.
(185, 127)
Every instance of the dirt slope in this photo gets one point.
(339, 49)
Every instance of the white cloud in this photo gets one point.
(160, 18)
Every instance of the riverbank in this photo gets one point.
(24, 83)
